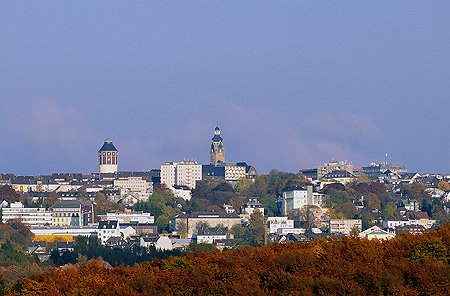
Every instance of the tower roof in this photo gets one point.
(108, 146)
(217, 137)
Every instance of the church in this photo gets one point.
(230, 171)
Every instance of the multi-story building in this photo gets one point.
(345, 226)
(251, 205)
(333, 166)
(374, 170)
(107, 229)
(183, 173)
(34, 217)
(72, 212)
(133, 185)
(108, 157)
(279, 222)
(294, 198)
(190, 223)
(129, 217)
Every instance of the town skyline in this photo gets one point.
(291, 86)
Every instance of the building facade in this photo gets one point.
(183, 173)
(190, 223)
(72, 212)
(34, 217)
(333, 166)
(294, 198)
(345, 226)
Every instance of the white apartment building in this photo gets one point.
(294, 198)
(183, 173)
(133, 185)
(279, 222)
(35, 217)
(129, 217)
(345, 226)
(392, 224)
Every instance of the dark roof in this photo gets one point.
(217, 138)
(64, 245)
(36, 244)
(66, 203)
(116, 241)
(108, 146)
(150, 239)
(107, 224)
(294, 188)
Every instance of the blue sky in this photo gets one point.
(291, 84)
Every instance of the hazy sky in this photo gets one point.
(291, 84)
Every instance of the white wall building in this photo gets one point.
(279, 222)
(345, 226)
(35, 217)
(184, 173)
(294, 198)
(129, 217)
(134, 185)
(107, 229)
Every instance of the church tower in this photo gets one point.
(108, 157)
(217, 152)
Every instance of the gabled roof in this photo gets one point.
(116, 241)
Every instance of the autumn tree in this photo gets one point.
(21, 228)
(372, 201)
(101, 204)
(348, 210)
(9, 194)
(444, 186)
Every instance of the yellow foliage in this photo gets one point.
(54, 238)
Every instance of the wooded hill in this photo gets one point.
(406, 265)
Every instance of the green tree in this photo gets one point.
(336, 198)
(255, 230)
(237, 230)
(390, 210)
(162, 222)
(3, 286)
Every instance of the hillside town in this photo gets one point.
(222, 204)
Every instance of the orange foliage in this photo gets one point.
(406, 265)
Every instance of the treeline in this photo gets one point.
(406, 265)
(86, 248)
